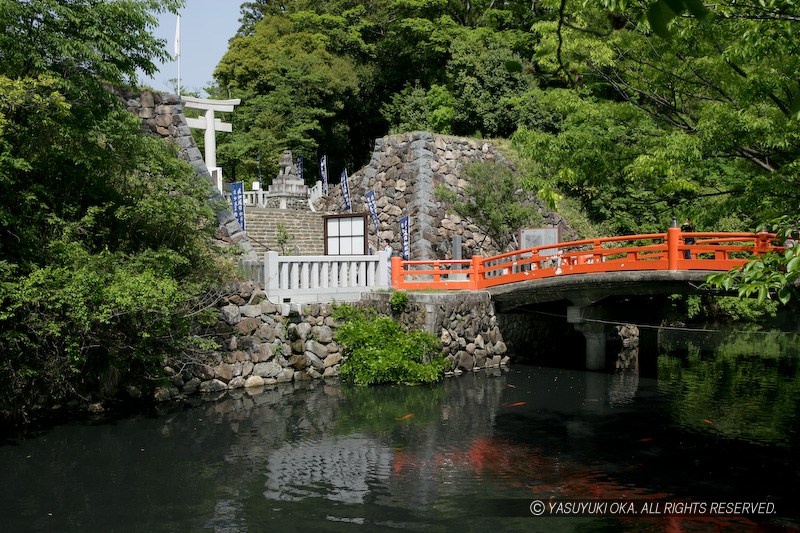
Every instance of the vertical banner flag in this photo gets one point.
(237, 201)
(300, 166)
(260, 177)
(405, 239)
(373, 210)
(323, 172)
(346, 191)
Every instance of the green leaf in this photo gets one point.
(659, 14)
(513, 66)
(784, 295)
(697, 8)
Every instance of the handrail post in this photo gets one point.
(475, 281)
(382, 270)
(760, 246)
(271, 272)
(397, 278)
(673, 241)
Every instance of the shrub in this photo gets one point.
(399, 301)
(380, 350)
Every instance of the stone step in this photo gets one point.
(305, 229)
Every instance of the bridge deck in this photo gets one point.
(591, 266)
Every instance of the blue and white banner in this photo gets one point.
(323, 173)
(300, 166)
(346, 191)
(373, 211)
(237, 201)
(405, 239)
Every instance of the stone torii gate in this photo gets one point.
(211, 125)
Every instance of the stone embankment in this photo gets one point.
(409, 174)
(263, 343)
(465, 323)
(163, 115)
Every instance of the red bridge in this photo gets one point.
(586, 272)
(655, 263)
(712, 251)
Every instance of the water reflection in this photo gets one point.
(322, 456)
(747, 388)
(339, 469)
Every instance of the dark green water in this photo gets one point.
(706, 427)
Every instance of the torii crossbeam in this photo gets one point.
(211, 125)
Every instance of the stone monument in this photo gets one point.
(287, 190)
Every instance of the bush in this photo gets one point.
(399, 302)
(380, 350)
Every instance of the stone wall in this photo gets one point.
(465, 323)
(294, 204)
(263, 344)
(405, 171)
(162, 115)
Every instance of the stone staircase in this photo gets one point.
(305, 229)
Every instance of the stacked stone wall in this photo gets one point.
(261, 344)
(465, 323)
(405, 172)
(163, 115)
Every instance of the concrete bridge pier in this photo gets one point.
(585, 319)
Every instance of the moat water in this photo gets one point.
(693, 439)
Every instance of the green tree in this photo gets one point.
(417, 109)
(485, 74)
(292, 89)
(106, 255)
(721, 94)
(496, 202)
(380, 350)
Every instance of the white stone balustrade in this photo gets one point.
(319, 278)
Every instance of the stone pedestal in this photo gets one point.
(287, 190)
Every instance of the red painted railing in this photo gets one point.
(656, 251)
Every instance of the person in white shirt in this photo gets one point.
(387, 247)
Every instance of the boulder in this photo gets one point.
(254, 381)
(267, 370)
(247, 326)
(231, 314)
(213, 385)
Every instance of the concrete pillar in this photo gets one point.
(595, 334)
(210, 140)
(271, 284)
(586, 320)
(456, 246)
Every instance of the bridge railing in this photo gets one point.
(711, 251)
(316, 279)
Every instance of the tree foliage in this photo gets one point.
(715, 134)
(450, 67)
(496, 202)
(105, 256)
(640, 111)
